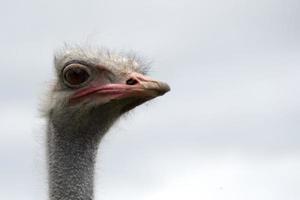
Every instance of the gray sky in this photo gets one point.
(229, 129)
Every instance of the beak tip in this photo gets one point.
(165, 88)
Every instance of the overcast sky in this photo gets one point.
(228, 130)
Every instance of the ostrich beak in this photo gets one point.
(141, 89)
(138, 87)
(145, 87)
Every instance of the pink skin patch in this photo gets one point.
(113, 90)
(145, 88)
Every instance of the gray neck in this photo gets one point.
(71, 161)
(73, 137)
(73, 141)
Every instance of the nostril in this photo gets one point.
(131, 81)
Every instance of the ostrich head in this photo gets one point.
(94, 87)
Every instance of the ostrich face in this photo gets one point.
(89, 79)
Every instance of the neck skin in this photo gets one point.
(71, 157)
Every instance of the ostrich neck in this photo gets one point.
(71, 161)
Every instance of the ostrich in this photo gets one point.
(93, 88)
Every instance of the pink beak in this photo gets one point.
(140, 87)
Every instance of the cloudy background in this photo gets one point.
(228, 130)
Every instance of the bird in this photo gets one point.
(93, 87)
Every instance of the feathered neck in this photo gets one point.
(71, 153)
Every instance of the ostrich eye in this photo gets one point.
(76, 75)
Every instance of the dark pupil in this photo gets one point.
(76, 76)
